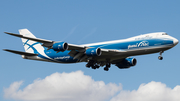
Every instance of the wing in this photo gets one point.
(20, 53)
(46, 43)
(80, 52)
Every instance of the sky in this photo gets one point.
(81, 22)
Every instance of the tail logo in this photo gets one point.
(30, 46)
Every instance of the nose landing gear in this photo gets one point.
(160, 57)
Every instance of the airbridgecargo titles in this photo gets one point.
(141, 44)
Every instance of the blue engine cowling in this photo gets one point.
(126, 63)
(93, 52)
(60, 46)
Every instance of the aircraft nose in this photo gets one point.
(175, 41)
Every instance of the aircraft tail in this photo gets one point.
(29, 45)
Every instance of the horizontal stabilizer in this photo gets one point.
(20, 53)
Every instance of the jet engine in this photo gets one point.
(126, 63)
(60, 46)
(93, 52)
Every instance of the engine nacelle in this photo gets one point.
(126, 63)
(60, 46)
(93, 52)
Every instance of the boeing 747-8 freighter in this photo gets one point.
(117, 52)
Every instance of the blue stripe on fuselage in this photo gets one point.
(136, 44)
(128, 45)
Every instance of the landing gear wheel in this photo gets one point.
(160, 57)
(93, 67)
(88, 66)
(106, 68)
(97, 67)
(108, 65)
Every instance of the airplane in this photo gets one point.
(117, 52)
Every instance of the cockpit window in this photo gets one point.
(164, 34)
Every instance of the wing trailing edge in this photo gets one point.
(20, 53)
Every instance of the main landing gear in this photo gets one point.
(108, 65)
(160, 57)
(94, 65)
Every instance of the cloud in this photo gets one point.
(79, 87)
(63, 87)
(153, 91)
